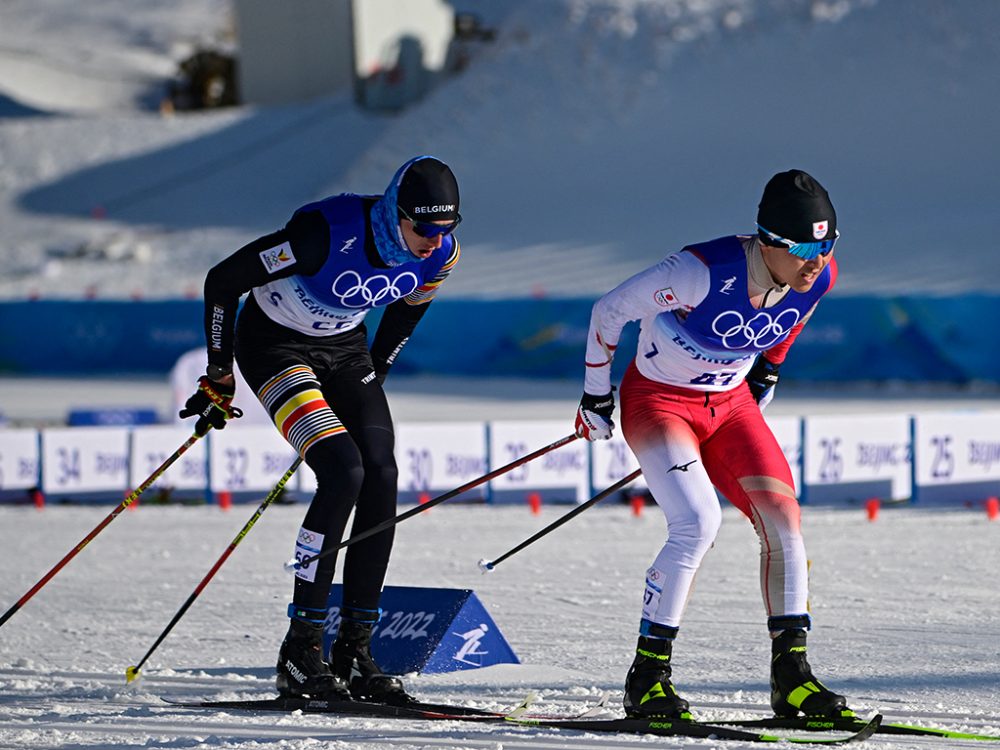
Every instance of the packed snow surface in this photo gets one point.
(590, 139)
(905, 612)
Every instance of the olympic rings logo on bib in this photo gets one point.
(762, 331)
(352, 291)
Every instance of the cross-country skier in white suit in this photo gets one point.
(717, 319)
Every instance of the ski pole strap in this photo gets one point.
(307, 614)
(354, 614)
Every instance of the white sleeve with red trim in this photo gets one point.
(678, 281)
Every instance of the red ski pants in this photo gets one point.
(690, 443)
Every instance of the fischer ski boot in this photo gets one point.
(302, 673)
(352, 663)
(648, 689)
(794, 688)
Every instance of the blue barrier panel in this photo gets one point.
(122, 416)
(846, 493)
(850, 338)
(525, 338)
(967, 495)
(84, 337)
(912, 339)
(429, 630)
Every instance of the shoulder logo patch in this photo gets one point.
(665, 297)
(276, 258)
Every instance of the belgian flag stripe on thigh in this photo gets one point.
(296, 404)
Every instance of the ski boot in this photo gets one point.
(352, 663)
(302, 673)
(793, 686)
(648, 689)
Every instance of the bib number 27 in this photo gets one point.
(714, 378)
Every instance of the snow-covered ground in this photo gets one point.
(592, 138)
(906, 623)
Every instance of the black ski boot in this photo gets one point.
(352, 663)
(793, 686)
(302, 673)
(648, 689)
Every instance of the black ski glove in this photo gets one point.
(593, 417)
(212, 404)
(762, 379)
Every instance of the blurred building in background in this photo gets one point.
(389, 53)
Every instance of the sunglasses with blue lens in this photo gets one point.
(804, 250)
(428, 229)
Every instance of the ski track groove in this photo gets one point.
(145, 724)
(345, 730)
(63, 659)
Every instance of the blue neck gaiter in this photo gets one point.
(385, 224)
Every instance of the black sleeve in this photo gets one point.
(402, 316)
(398, 322)
(308, 236)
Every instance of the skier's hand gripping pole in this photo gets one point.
(132, 673)
(133, 496)
(488, 565)
(293, 565)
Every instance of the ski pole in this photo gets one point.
(293, 565)
(132, 673)
(487, 565)
(100, 527)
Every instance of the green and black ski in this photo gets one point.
(857, 731)
(679, 728)
(811, 724)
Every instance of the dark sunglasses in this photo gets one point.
(804, 250)
(428, 229)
